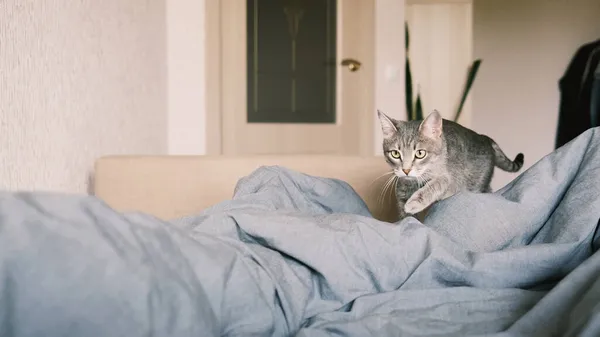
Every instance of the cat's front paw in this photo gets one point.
(414, 206)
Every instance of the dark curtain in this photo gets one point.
(579, 90)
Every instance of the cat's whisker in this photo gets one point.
(379, 193)
(381, 176)
(378, 178)
(385, 190)
(382, 195)
(395, 187)
(392, 187)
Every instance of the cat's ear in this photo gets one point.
(388, 125)
(431, 127)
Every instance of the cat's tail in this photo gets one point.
(503, 162)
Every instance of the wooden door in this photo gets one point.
(297, 76)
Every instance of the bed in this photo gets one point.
(173, 186)
(302, 246)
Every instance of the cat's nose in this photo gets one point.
(406, 171)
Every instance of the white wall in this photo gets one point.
(526, 46)
(78, 79)
(186, 41)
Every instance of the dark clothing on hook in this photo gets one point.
(596, 98)
(580, 94)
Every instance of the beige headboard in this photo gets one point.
(174, 186)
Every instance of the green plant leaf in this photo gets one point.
(468, 84)
(408, 77)
(406, 36)
(418, 108)
(408, 91)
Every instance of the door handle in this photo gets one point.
(352, 64)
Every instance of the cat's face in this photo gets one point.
(413, 149)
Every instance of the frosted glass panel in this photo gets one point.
(291, 61)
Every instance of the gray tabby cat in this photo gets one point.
(436, 158)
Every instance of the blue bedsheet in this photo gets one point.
(296, 255)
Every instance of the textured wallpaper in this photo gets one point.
(78, 80)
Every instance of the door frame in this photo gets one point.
(213, 91)
(214, 79)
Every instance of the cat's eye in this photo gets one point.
(395, 154)
(420, 154)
